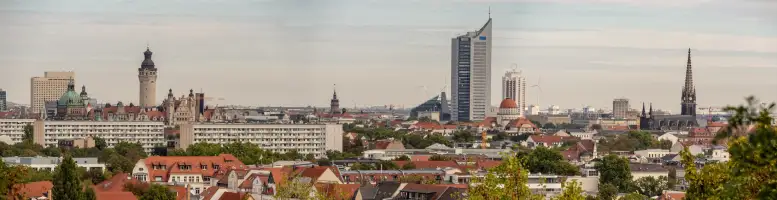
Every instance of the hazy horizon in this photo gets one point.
(292, 52)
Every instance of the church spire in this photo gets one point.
(688, 105)
(643, 109)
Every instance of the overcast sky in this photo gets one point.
(292, 52)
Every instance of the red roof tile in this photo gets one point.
(35, 189)
(172, 163)
(232, 196)
(546, 138)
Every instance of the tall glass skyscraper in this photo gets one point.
(471, 74)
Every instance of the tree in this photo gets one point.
(89, 194)
(100, 143)
(9, 177)
(549, 161)
(607, 191)
(671, 181)
(67, 181)
(663, 144)
(402, 158)
(293, 189)
(28, 134)
(386, 165)
(310, 157)
(651, 186)
(500, 136)
(549, 126)
(438, 157)
(506, 181)
(634, 196)
(408, 166)
(572, 191)
(158, 192)
(614, 170)
(463, 136)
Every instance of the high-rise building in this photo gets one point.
(620, 108)
(147, 74)
(688, 105)
(48, 88)
(514, 87)
(3, 100)
(471, 74)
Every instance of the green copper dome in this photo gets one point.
(71, 97)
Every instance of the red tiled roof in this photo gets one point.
(314, 173)
(428, 125)
(172, 163)
(429, 164)
(487, 164)
(35, 189)
(208, 193)
(419, 157)
(508, 103)
(522, 121)
(180, 192)
(338, 191)
(548, 139)
(115, 196)
(115, 184)
(232, 196)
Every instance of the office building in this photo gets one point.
(147, 74)
(148, 134)
(313, 139)
(620, 108)
(514, 87)
(3, 100)
(48, 88)
(471, 74)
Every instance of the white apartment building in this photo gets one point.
(471, 74)
(315, 139)
(14, 129)
(50, 87)
(51, 163)
(514, 87)
(148, 134)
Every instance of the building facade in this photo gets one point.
(514, 87)
(72, 105)
(334, 104)
(51, 163)
(620, 108)
(687, 118)
(50, 87)
(313, 139)
(147, 74)
(3, 100)
(471, 74)
(13, 129)
(148, 134)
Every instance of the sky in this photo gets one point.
(294, 52)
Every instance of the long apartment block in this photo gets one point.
(313, 139)
(148, 134)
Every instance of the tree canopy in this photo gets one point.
(614, 170)
(549, 161)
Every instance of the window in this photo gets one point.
(157, 178)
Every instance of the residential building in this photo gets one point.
(147, 75)
(668, 136)
(514, 87)
(148, 134)
(413, 191)
(653, 153)
(549, 185)
(14, 129)
(620, 108)
(548, 141)
(313, 139)
(50, 87)
(3, 100)
(720, 154)
(582, 134)
(521, 126)
(194, 171)
(645, 170)
(471, 74)
(51, 163)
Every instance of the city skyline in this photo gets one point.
(593, 51)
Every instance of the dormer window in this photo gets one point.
(203, 167)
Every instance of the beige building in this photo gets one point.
(50, 87)
(315, 139)
(147, 77)
(148, 134)
(13, 129)
(620, 108)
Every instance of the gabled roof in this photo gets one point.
(232, 196)
(439, 191)
(172, 163)
(546, 138)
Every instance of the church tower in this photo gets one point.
(334, 105)
(147, 76)
(689, 91)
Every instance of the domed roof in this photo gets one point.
(147, 62)
(71, 97)
(508, 103)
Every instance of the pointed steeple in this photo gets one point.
(334, 93)
(643, 109)
(651, 110)
(83, 91)
(688, 104)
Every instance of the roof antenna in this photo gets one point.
(489, 12)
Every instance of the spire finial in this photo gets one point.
(489, 12)
(147, 45)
